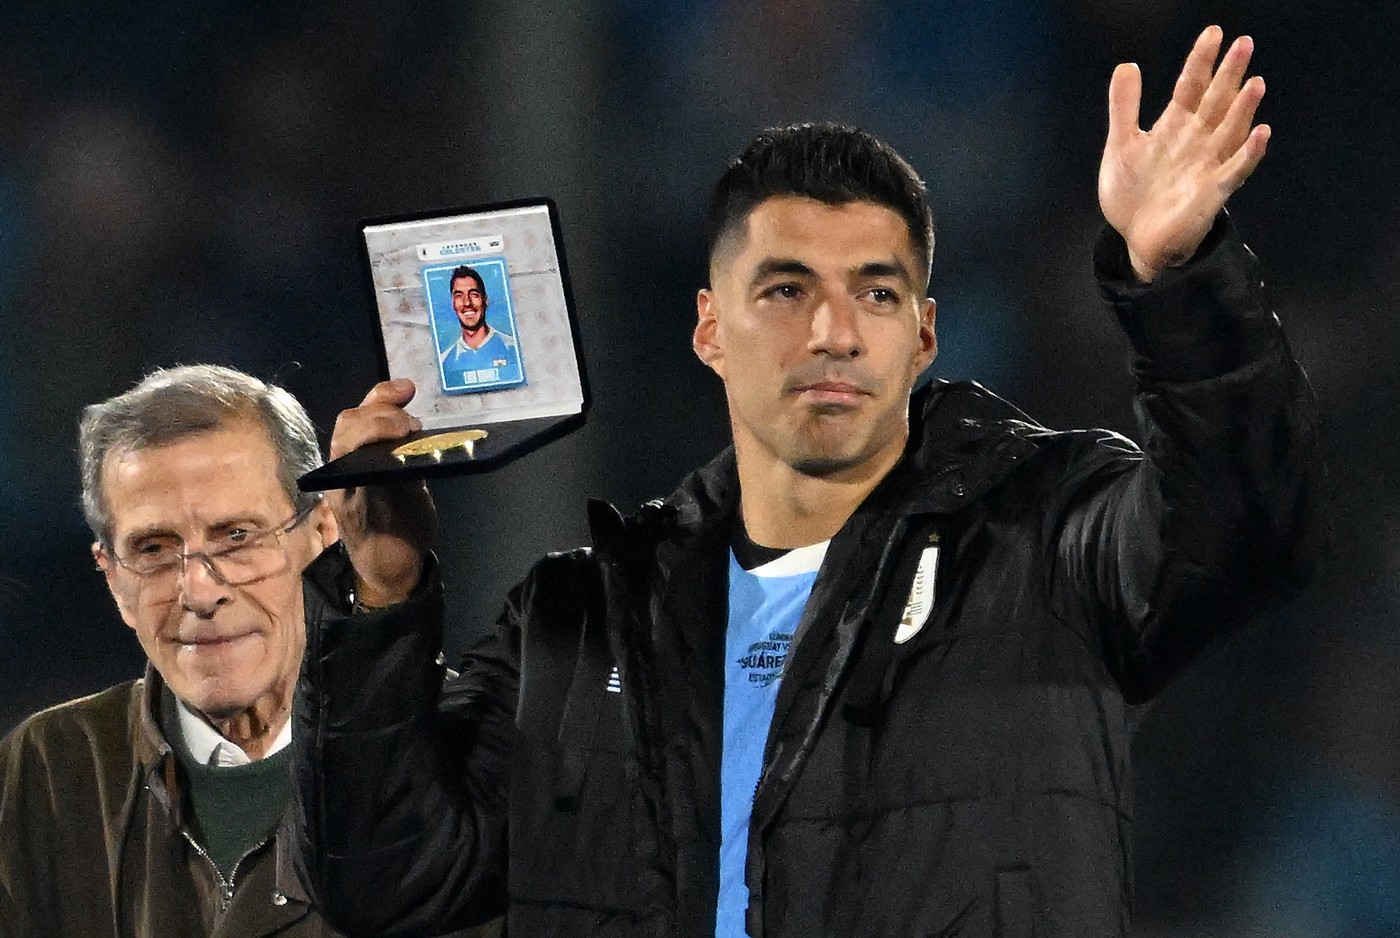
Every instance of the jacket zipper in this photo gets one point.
(225, 884)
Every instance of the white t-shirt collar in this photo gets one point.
(798, 560)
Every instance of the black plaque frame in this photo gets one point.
(544, 336)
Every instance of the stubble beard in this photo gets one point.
(822, 444)
(822, 451)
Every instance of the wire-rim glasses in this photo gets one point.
(239, 555)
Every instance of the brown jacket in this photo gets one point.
(93, 843)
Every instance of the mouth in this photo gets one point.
(830, 392)
(212, 642)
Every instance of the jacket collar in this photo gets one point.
(153, 750)
(963, 441)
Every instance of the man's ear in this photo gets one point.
(324, 525)
(707, 340)
(928, 339)
(109, 573)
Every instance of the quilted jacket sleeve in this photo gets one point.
(1220, 515)
(401, 779)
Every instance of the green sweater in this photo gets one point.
(236, 808)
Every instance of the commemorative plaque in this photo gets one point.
(474, 306)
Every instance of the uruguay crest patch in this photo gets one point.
(920, 604)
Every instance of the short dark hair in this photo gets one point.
(464, 271)
(827, 162)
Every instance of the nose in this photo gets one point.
(202, 590)
(835, 328)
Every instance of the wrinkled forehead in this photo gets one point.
(194, 481)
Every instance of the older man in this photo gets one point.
(155, 808)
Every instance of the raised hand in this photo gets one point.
(1162, 188)
(386, 529)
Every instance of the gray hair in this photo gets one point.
(170, 404)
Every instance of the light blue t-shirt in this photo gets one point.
(765, 605)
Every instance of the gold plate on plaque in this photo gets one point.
(439, 443)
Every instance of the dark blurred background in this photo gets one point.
(181, 182)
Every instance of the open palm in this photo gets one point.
(1162, 188)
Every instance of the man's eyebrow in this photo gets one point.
(145, 531)
(775, 266)
(251, 519)
(892, 268)
(778, 266)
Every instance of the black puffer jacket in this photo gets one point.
(972, 780)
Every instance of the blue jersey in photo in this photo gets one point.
(494, 363)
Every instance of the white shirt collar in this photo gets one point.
(798, 560)
(207, 747)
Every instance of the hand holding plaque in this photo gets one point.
(387, 529)
(474, 308)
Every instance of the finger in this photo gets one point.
(1242, 164)
(397, 391)
(1195, 75)
(371, 423)
(1235, 128)
(1225, 86)
(1124, 100)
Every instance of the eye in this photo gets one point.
(151, 552)
(236, 536)
(884, 295)
(782, 291)
(230, 538)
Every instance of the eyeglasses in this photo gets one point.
(236, 556)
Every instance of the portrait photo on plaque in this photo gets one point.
(474, 306)
(473, 326)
